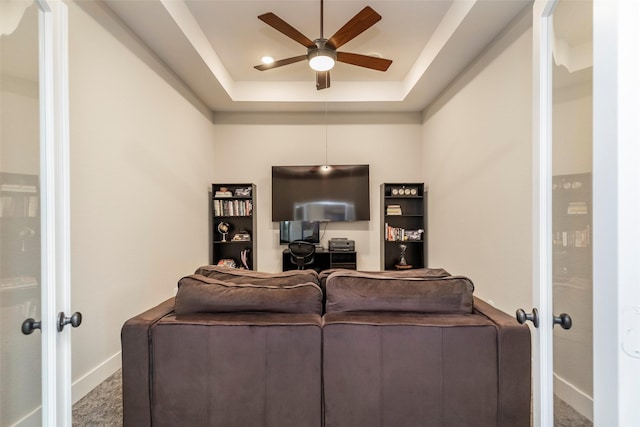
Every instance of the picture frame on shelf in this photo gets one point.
(242, 192)
(413, 235)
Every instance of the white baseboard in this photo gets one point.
(575, 397)
(33, 419)
(90, 380)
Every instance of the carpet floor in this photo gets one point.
(102, 407)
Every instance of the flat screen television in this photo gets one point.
(290, 231)
(320, 193)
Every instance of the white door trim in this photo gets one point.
(54, 175)
(616, 195)
(542, 226)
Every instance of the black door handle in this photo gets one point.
(75, 320)
(522, 316)
(563, 320)
(29, 325)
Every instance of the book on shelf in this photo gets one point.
(577, 208)
(394, 210)
(400, 234)
(232, 207)
(223, 194)
(573, 239)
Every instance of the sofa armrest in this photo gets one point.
(135, 364)
(514, 366)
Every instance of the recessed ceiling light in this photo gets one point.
(267, 60)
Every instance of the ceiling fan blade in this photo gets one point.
(280, 63)
(323, 80)
(366, 61)
(358, 24)
(286, 29)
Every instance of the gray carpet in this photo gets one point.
(102, 407)
(565, 416)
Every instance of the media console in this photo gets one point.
(324, 260)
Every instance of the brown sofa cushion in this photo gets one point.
(357, 291)
(236, 275)
(200, 294)
(414, 272)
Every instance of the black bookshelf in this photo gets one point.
(404, 210)
(235, 206)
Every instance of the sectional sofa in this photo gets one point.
(337, 349)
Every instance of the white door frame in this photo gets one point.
(54, 176)
(616, 209)
(616, 195)
(541, 221)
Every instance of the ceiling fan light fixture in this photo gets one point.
(321, 59)
(267, 60)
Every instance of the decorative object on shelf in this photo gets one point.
(242, 192)
(413, 234)
(403, 251)
(244, 258)
(403, 265)
(404, 191)
(24, 234)
(242, 236)
(223, 228)
(223, 192)
(227, 262)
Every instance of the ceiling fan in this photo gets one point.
(322, 53)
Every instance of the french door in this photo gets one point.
(34, 219)
(586, 95)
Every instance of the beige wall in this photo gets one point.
(247, 145)
(477, 162)
(141, 164)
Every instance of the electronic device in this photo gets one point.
(320, 193)
(290, 231)
(338, 244)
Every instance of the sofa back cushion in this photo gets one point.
(200, 294)
(357, 291)
(414, 272)
(236, 275)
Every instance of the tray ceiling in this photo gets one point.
(213, 45)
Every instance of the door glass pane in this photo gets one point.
(20, 355)
(572, 211)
